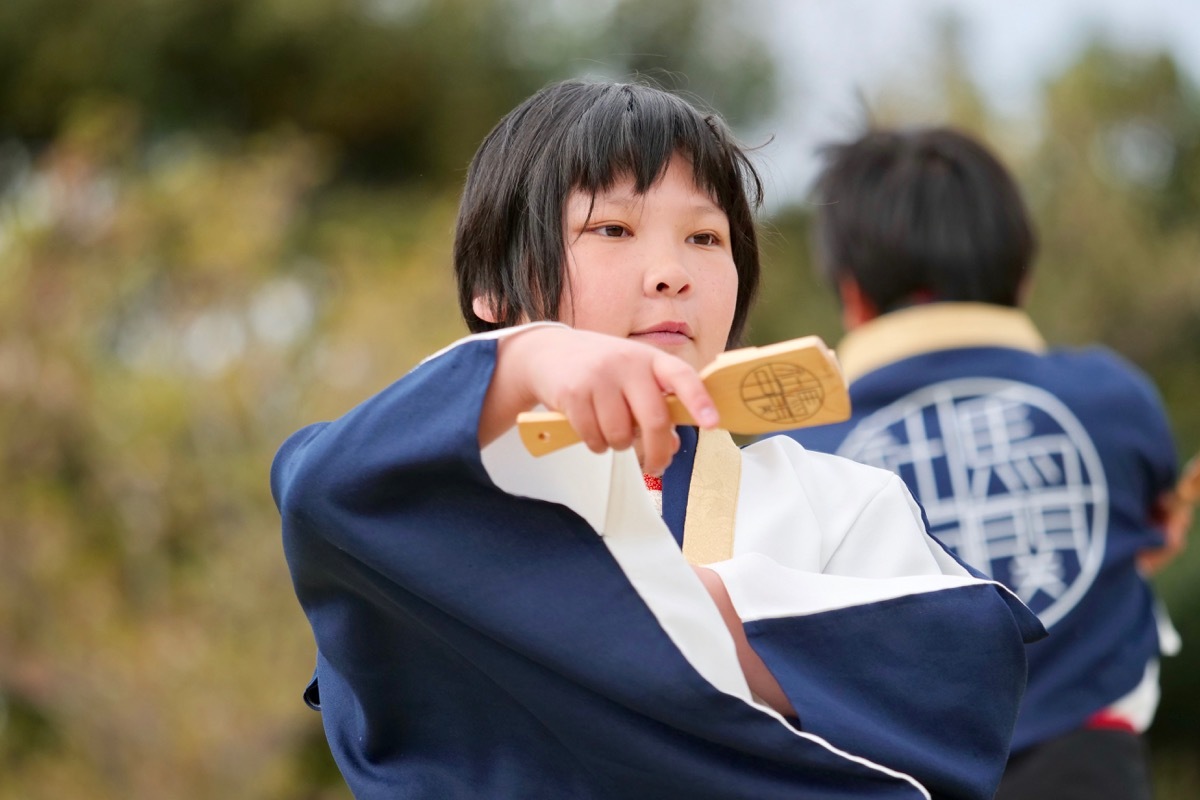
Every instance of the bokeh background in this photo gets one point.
(223, 219)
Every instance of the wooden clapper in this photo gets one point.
(793, 384)
(756, 390)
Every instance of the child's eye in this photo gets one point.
(613, 231)
(707, 239)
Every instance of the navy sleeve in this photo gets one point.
(1143, 459)
(425, 423)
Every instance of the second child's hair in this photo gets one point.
(922, 215)
(579, 135)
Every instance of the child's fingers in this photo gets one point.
(655, 426)
(658, 451)
(614, 417)
(602, 419)
(680, 379)
(582, 414)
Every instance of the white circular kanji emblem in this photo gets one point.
(1009, 478)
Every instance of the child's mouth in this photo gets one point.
(664, 334)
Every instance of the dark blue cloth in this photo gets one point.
(474, 644)
(677, 481)
(1040, 470)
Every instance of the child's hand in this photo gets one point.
(611, 389)
(1174, 517)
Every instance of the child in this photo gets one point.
(493, 625)
(1010, 446)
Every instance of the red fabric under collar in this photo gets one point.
(1108, 721)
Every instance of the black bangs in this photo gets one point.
(632, 130)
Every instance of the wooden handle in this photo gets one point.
(544, 432)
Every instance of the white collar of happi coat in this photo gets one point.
(931, 327)
(608, 492)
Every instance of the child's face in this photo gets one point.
(656, 268)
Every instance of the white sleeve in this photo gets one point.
(887, 539)
(816, 532)
(823, 513)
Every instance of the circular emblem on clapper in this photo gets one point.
(782, 392)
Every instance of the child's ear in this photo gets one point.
(857, 308)
(485, 308)
(1023, 288)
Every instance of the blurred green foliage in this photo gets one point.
(404, 89)
(222, 220)
(219, 221)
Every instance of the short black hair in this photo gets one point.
(586, 135)
(922, 214)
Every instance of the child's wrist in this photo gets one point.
(514, 362)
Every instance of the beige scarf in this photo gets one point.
(712, 499)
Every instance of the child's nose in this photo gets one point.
(667, 273)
